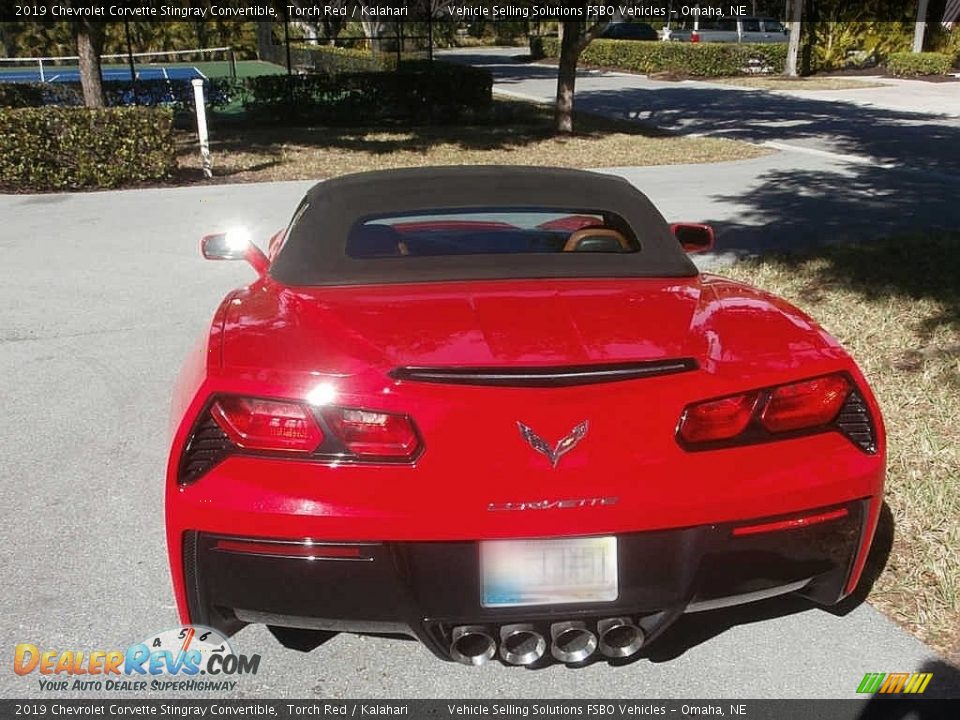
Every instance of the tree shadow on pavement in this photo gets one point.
(930, 143)
(819, 213)
(925, 141)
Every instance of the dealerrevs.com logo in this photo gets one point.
(189, 658)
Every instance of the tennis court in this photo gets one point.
(173, 65)
(69, 74)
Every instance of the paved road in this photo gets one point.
(874, 135)
(101, 296)
(843, 171)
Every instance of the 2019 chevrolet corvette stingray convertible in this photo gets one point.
(500, 410)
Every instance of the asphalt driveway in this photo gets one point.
(841, 172)
(102, 295)
(811, 122)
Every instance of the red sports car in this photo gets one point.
(500, 410)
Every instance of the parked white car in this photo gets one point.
(735, 30)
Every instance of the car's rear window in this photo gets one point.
(490, 231)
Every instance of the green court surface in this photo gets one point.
(245, 68)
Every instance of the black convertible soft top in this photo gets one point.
(314, 252)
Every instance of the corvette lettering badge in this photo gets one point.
(563, 446)
(567, 504)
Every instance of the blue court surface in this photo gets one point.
(72, 74)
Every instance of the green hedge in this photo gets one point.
(695, 59)
(335, 60)
(21, 95)
(922, 63)
(419, 92)
(65, 148)
(119, 93)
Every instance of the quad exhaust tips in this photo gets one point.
(472, 645)
(572, 642)
(521, 644)
(619, 638)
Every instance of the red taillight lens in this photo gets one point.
(267, 424)
(805, 404)
(378, 434)
(808, 405)
(718, 419)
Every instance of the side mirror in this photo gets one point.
(694, 237)
(234, 245)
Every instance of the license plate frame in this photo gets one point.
(545, 572)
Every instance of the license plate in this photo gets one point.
(548, 572)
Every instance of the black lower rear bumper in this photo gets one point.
(425, 589)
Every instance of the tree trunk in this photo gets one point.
(372, 30)
(921, 26)
(570, 49)
(89, 46)
(6, 40)
(265, 48)
(793, 48)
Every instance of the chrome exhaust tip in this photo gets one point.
(472, 645)
(619, 638)
(521, 644)
(572, 642)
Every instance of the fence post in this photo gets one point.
(202, 127)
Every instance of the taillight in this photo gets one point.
(718, 419)
(377, 434)
(813, 405)
(805, 404)
(330, 434)
(255, 424)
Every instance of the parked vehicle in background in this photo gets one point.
(742, 30)
(629, 31)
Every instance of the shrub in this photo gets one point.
(426, 92)
(336, 60)
(835, 45)
(696, 59)
(21, 95)
(63, 148)
(922, 63)
(947, 42)
(177, 94)
(418, 90)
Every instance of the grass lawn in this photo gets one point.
(895, 305)
(515, 133)
(782, 83)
